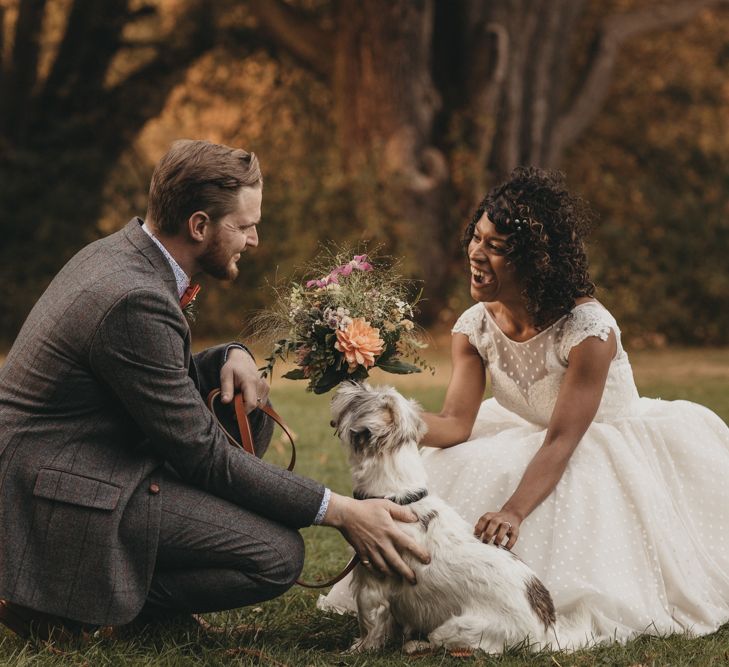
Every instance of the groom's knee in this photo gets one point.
(293, 560)
(282, 562)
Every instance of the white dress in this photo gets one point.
(636, 531)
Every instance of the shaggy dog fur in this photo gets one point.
(471, 595)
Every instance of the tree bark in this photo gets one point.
(385, 104)
(299, 33)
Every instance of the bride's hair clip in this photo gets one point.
(519, 224)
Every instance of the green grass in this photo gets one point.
(290, 631)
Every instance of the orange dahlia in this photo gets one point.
(359, 343)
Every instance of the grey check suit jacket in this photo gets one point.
(98, 392)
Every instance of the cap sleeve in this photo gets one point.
(471, 324)
(589, 319)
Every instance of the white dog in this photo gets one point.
(471, 595)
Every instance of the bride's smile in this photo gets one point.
(493, 276)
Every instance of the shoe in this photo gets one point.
(28, 623)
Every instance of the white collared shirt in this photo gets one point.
(181, 278)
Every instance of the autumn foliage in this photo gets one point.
(379, 120)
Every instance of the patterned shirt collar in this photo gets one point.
(181, 278)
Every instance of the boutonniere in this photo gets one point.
(187, 301)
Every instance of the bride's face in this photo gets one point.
(493, 276)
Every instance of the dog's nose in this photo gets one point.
(333, 424)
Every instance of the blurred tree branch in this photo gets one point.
(142, 94)
(615, 31)
(297, 31)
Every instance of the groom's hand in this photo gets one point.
(239, 373)
(369, 526)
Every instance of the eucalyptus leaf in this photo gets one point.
(296, 374)
(398, 367)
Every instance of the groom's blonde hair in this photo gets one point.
(198, 176)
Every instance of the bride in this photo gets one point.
(619, 503)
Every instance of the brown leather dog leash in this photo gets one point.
(244, 426)
(246, 443)
(347, 569)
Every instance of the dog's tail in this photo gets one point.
(574, 628)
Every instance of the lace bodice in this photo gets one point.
(526, 376)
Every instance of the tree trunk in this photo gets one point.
(385, 108)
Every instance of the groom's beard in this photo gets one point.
(217, 261)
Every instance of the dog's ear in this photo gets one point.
(421, 428)
(359, 439)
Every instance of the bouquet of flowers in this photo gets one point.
(339, 325)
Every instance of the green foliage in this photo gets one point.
(656, 168)
(654, 165)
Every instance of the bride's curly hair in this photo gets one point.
(546, 227)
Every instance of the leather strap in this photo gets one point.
(244, 426)
(246, 443)
(325, 584)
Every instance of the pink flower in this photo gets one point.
(326, 280)
(359, 263)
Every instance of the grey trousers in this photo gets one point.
(214, 555)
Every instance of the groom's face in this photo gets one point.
(232, 234)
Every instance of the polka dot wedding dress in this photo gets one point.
(637, 530)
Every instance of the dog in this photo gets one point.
(471, 595)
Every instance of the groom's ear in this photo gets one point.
(198, 226)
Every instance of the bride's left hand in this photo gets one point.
(497, 526)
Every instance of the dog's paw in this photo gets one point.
(356, 647)
(417, 647)
(362, 644)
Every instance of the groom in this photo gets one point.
(120, 498)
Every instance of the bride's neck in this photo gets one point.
(512, 317)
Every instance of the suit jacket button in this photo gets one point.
(154, 489)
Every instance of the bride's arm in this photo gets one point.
(454, 422)
(577, 403)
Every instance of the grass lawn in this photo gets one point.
(290, 631)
